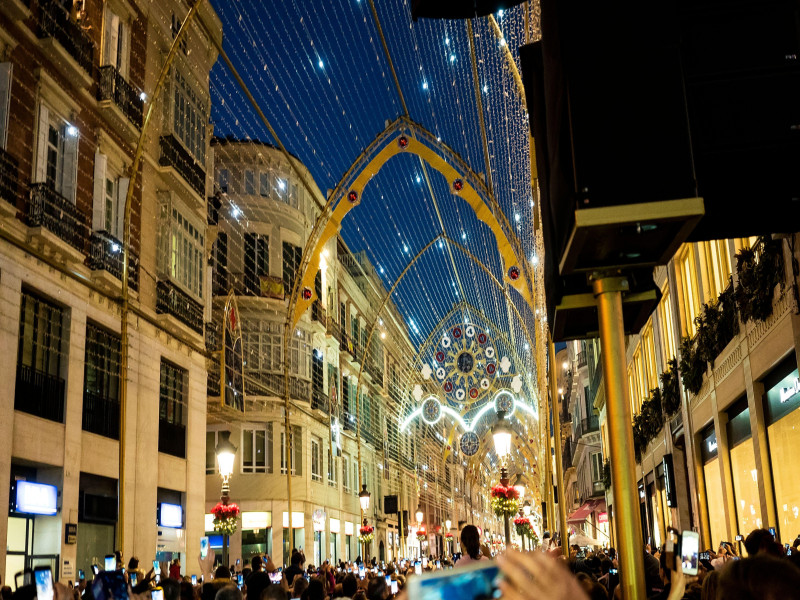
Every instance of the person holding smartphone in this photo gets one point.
(471, 544)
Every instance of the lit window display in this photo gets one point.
(713, 479)
(743, 469)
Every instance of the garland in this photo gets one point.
(225, 516)
(366, 534)
(505, 500)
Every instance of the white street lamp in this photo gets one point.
(448, 524)
(419, 515)
(226, 453)
(363, 498)
(502, 436)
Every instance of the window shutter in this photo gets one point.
(70, 175)
(125, 48)
(40, 169)
(122, 192)
(5, 100)
(98, 200)
(112, 38)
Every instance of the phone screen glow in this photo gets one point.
(689, 552)
(44, 584)
(110, 563)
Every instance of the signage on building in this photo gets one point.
(36, 498)
(602, 517)
(318, 518)
(712, 445)
(256, 520)
(170, 515)
(70, 533)
(790, 390)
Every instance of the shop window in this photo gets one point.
(743, 468)
(713, 480)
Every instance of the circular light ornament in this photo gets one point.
(402, 141)
(460, 394)
(484, 384)
(504, 402)
(470, 331)
(490, 352)
(440, 356)
(352, 196)
(513, 273)
(431, 411)
(445, 342)
(307, 293)
(440, 373)
(469, 443)
(458, 185)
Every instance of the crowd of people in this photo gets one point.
(769, 571)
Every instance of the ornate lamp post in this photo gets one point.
(363, 500)
(226, 453)
(501, 433)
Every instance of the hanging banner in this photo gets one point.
(333, 409)
(232, 359)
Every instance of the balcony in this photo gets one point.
(175, 157)
(319, 400)
(101, 415)
(65, 42)
(587, 426)
(39, 394)
(349, 421)
(53, 216)
(105, 259)
(120, 102)
(171, 438)
(567, 454)
(212, 209)
(274, 384)
(581, 359)
(318, 313)
(374, 370)
(171, 300)
(9, 183)
(213, 337)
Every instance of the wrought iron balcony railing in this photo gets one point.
(318, 312)
(319, 400)
(171, 300)
(101, 415)
(113, 86)
(40, 394)
(174, 155)
(106, 255)
(9, 177)
(54, 22)
(49, 209)
(586, 426)
(171, 438)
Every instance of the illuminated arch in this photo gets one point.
(406, 136)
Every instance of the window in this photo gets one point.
(57, 153)
(182, 255)
(211, 452)
(297, 451)
(117, 42)
(354, 482)
(291, 263)
(316, 459)
(256, 261)
(346, 472)
(173, 393)
(101, 382)
(6, 70)
(689, 297)
(257, 449)
(175, 28)
(281, 189)
(718, 266)
(667, 327)
(249, 182)
(597, 466)
(223, 180)
(300, 354)
(110, 191)
(331, 469)
(220, 255)
(649, 356)
(264, 184)
(40, 387)
(189, 117)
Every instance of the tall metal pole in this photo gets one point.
(608, 292)
(562, 506)
(548, 467)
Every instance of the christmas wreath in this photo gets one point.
(366, 534)
(225, 516)
(422, 535)
(505, 500)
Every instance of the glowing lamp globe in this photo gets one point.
(448, 524)
(363, 497)
(420, 515)
(502, 436)
(526, 509)
(226, 452)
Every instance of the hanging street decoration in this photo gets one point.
(469, 443)
(225, 517)
(366, 533)
(232, 367)
(505, 500)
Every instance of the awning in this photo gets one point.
(587, 508)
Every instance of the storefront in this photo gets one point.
(294, 538)
(335, 527)
(256, 534)
(348, 541)
(743, 468)
(782, 401)
(713, 481)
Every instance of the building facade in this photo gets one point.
(713, 386)
(75, 80)
(349, 365)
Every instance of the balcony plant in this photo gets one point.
(225, 517)
(759, 269)
(670, 391)
(607, 474)
(692, 368)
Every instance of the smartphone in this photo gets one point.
(394, 587)
(740, 538)
(134, 579)
(157, 594)
(690, 549)
(478, 580)
(240, 580)
(418, 568)
(388, 580)
(43, 577)
(275, 577)
(671, 547)
(81, 574)
(705, 556)
(613, 571)
(773, 532)
(361, 572)
(156, 568)
(424, 563)
(194, 579)
(204, 546)
(438, 564)
(238, 561)
(110, 563)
